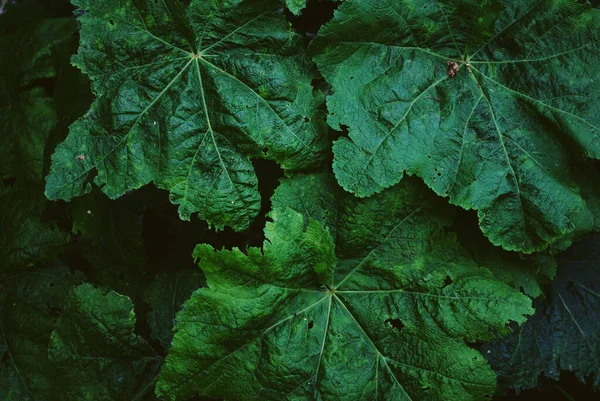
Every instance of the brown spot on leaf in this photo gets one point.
(452, 68)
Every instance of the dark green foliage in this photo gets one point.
(184, 98)
(564, 333)
(219, 240)
(312, 317)
(488, 102)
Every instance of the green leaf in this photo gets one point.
(564, 333)
(527, 273)
(25, 238)
(27, 116)
(165, 295)
(30, 303)
(386, 317)
(493, 136)
(588, 219)
(185, 96)
(97, 352)
(295, 6)
(25, 126)
(27, 35)
(314, 195)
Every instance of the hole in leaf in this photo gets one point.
(395, 324)
(306, 119)
(447, 282)
(315, 14)
(310, 324)
(112, 22)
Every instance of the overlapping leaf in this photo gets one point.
(29, 35)
(295, 6)
(381, 312)
(185, 96)
(25, 238)
(527, 273)
(97, 352)
(483, 100)
(30, 304)
(564, 333)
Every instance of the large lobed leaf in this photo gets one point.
(185, 96)
(495, 134)
(381, 312)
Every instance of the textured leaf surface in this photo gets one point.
(185, 96)
(564, 333)
(588, 219)
(26, 38)
(96, 350)
(30, 304)
(314, 195)
(27, 115)
(25, 239)
(495, 135)
(527, 273)
(386, 317)
(25, 125)
(165, 295)
(295, 6)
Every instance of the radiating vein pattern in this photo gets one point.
(271, 326)
(497, 135)
(186, 96)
